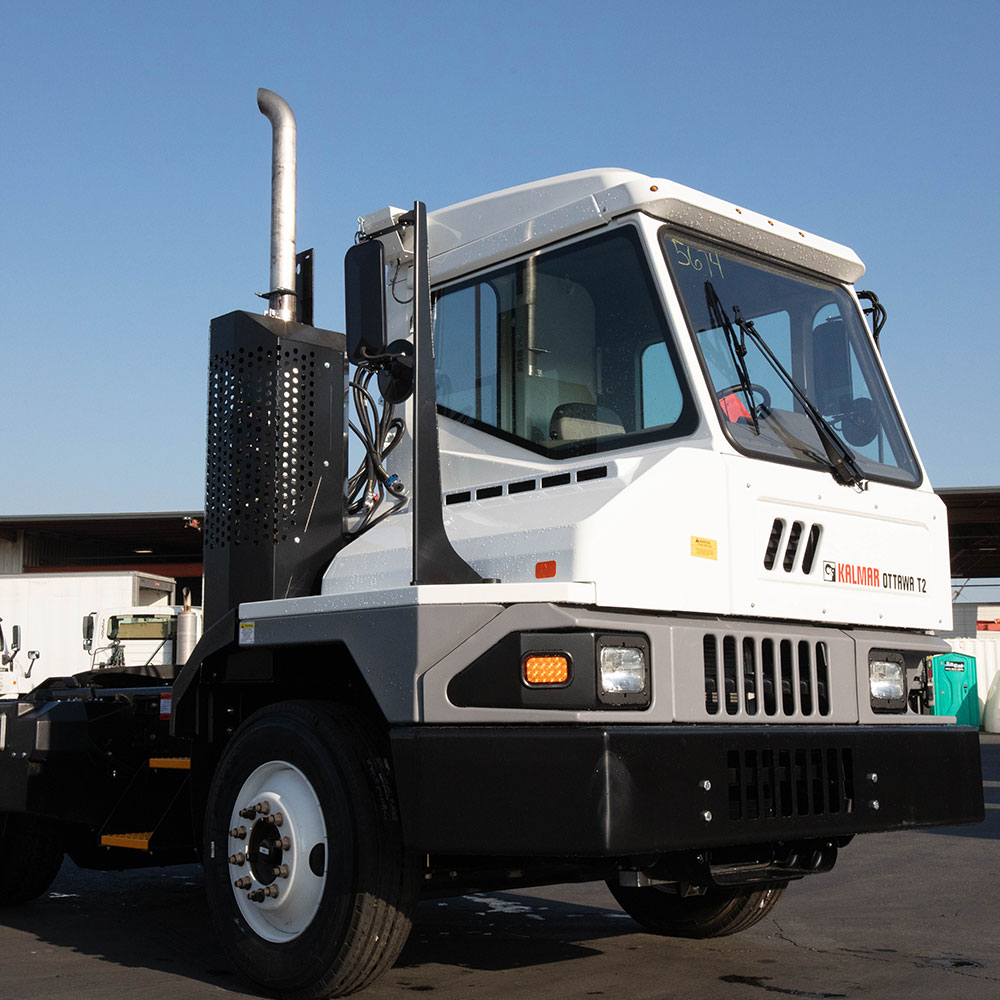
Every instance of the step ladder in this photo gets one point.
(141, 841)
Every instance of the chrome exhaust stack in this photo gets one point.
(281, 294)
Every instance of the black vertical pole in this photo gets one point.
(434, 558)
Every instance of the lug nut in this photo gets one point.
(243, 883)
(266, 892)
(281, 871)
(239, 832)
(277, 819)
(237, 859)
(258, 808)
(286, 843)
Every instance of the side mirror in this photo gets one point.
(33, 655)
(88, 632)
(9, 652)
(364, 294)
(861, 423)
(832, 366)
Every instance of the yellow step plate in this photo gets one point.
(135, 841)
(170, 763)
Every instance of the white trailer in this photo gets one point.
(50, 610)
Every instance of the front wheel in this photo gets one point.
(31, 853)
(717, 913)
(305, 871)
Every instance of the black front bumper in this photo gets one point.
(615, 791)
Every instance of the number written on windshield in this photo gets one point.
(688, 256)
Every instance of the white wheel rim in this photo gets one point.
(285, 790)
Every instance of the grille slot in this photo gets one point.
(769, 677)
(711, 660)
(784, 782)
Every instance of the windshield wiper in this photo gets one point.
(843, 465)
(737, 349)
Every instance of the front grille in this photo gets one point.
(777, 783)
(748, 676)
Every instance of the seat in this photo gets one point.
(582, 421)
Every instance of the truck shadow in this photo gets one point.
(157, 920)
(507, 931)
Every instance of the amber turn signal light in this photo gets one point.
(545, 668)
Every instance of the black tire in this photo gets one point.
(718, 913)
(343, 915)
(31, 853)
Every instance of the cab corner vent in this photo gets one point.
(812, 544)
(770, 553)
(792, 546)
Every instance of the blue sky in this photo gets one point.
(134, 167)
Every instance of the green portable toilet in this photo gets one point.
(955, 690)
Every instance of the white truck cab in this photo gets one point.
(606, 420)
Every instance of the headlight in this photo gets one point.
(887, 682)
(622, 670)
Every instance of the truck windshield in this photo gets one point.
(565, 352)
(816, 333)
(142, 626)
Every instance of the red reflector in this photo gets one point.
(544, 570)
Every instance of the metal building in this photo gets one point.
(166, 543)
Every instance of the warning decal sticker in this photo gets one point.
(704, 548)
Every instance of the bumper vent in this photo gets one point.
(779, 783)
(746, 677)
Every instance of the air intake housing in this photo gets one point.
(276, 457)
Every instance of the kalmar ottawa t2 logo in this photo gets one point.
(872, 576)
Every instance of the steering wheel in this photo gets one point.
(738, 391)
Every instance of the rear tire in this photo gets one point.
(31, 853)
(343, 894)
(718, 913)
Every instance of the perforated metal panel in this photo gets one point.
(275, 460)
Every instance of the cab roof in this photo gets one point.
(486, 229)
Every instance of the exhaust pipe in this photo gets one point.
(281, 296)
